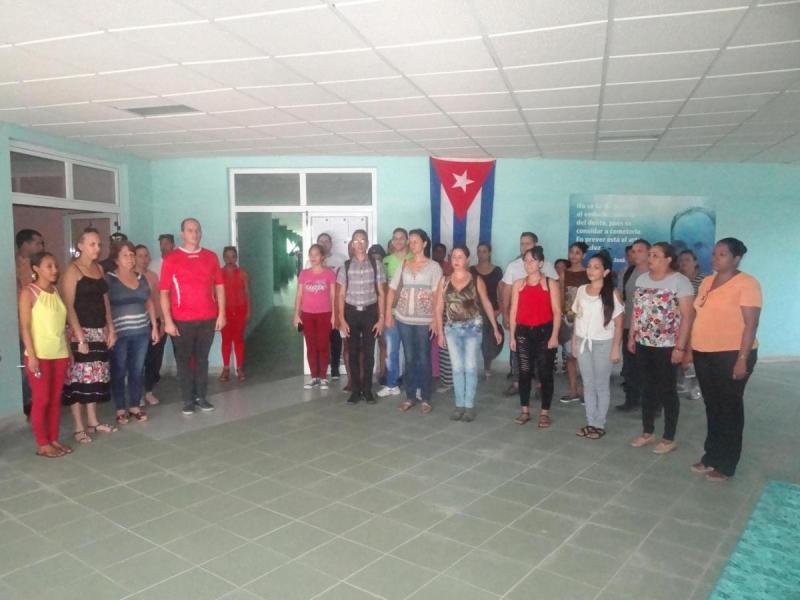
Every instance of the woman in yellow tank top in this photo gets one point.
(43, 318)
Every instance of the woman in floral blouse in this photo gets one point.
(660, 326)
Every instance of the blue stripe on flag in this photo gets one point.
(436, 204)
(487, 201)
(460, 230)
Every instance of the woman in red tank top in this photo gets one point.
(534, 322)
(237, 313)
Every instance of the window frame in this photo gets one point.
(68, 160)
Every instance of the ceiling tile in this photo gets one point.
(577, 113)
(475, 102)
(76, 90)
(261, 71)
(198, 121)
(17, 64)
(435, 58)
(557, 98)
(109, 14)
(758, 58)
(783, 108)
(387, 135)
(85, 112)
(694, 132)
(361, 64)
(503, 140)
(291, 129)
(766, 24)
(202, 41)
(773, 130)
(548, 46)
(668, 34)
(723, 118)
(746, 84)
(564, 127)
(325, 112)
(642, 92)
(216, 9)
(640, 124)
(392, 87)
(496, 130)
(97, 53)
(522, 151)
(72, 131)
(168, 80)
(404, 106)
(24, 21)
(731, 152)
(219, 100)
(492, 117)
(411, 21)
(552, 76)
(582, 141)
(641, 109)
(499, 17)
(261, 116)
(659, 66)
(295, 33)
(439, 133)
(461, 83)
(400, 122)
(737, 102)
(292, 95)
(684, 137)
(347, 126)
(639, 8)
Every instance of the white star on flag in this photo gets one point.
(462, 181)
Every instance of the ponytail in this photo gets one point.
(607, 291)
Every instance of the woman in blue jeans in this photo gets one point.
(460, 328)
(414, 285)
(134, 318)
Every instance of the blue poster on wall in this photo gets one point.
(612, 222)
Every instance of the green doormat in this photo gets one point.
(765, 565)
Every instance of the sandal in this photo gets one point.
(643, 440)
(544, 421)
(584, 431)
(225, 375)
(50, 452)
(596, 433)
(139, 415)
(523, 418)
(82, 437)
(405, 406)
(426, 408)
(102, 428)
(122, 419)
(59, 446)
(240, 375)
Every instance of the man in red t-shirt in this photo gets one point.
(193, 302)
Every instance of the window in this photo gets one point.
(303, 187)
(48, 179)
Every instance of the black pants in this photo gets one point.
(533, 353)
(362, 339)
(336, 352)
(660, 388)
(724, 398)
(630, 371)
(195, 339)
(26, 385)
(152, 363)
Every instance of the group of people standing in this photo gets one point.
(657, 315)
(97, 331)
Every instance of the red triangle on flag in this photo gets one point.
(461, 181)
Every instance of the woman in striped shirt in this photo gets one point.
(134, 318)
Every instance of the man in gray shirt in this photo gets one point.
(630, 371)
(360, 307)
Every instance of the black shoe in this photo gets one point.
(188, 409)
(370, 399)
(354, 398)
(627, 407)
(205, 405)
(382, 380)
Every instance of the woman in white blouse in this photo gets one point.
(596, 341)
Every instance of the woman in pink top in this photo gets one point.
(313, 310)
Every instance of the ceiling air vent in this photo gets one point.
(161, 111)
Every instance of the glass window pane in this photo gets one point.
(37, 175)
(96, 185)
(251, 189)
(339, 189)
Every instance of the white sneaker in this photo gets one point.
(443, 389)
(419, 394)
(388, 391)
(311, 383)
(323, 384)
(150, 398)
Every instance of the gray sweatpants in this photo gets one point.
(595, 366)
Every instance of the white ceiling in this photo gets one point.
(658, 80)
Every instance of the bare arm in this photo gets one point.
(487, 307)
(618, 322)
(68, 284)
(751, 316)
(388, 320)
(26, 300)
(342, 292)
(220, 290)
(298, 301)
(555, 303)
(437, 325)
(686, 308)
(504, 291)
(378, 327)
(111, 338)
(512, 315)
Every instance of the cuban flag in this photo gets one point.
(462, 199)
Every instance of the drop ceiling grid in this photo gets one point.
(703, 79)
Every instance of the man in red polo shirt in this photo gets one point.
(193, 302)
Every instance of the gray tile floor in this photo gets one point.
(294, 495)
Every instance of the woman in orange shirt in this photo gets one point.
(728, 307)
(237, 312)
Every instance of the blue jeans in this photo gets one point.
(127, 361)
(417, 350)
(464, 344)
(391, 335)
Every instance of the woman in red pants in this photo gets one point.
(237, 312)
(43, 319)
(313, 309)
